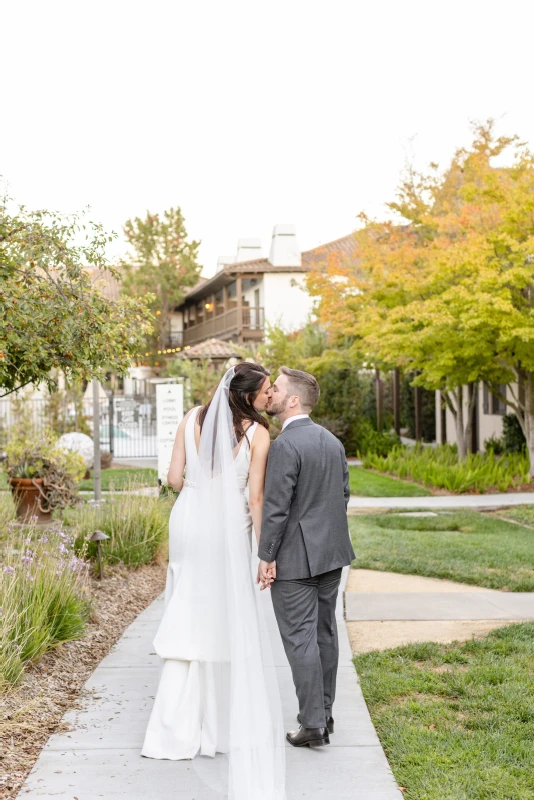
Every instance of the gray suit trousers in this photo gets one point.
(305, 610)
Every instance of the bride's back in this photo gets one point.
(192, 443)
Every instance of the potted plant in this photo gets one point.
(42, 476)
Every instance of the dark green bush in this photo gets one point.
(379, 443)
(512, 436)
(494, 445)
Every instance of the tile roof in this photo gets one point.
(345, 247)
(211, 348)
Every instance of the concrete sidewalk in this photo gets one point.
(489, 501)
(100, 755)
(491, 605)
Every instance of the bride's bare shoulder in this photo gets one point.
(261, 437)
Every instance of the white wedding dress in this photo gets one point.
(217, 690)
(190, 713)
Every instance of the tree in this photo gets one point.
(449, 290)
(55, 317)
(161, 262)
(341, 404)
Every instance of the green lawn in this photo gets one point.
(523, 514)
(457, 721)
(121, 478)
(370, 484)
(464, 546)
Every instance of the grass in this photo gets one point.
(439, 467)
(137, 527)
(523, 514)
(121, 478)
(7, 512)
(369, 484)
(42, 597)
(456, 721)
(464, 546)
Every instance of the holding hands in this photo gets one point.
(266, 574)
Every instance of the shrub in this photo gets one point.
(512, 436)
(494, 445)
(137, 526)
(43, 598)
(379, 443)
(439, 467)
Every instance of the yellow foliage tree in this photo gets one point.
(448, 290)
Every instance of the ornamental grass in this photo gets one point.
(137, 526)
(439, 467)
(43, 596)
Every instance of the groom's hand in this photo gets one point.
(266, 573)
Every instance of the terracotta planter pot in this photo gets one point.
(26, 496)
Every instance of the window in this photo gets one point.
(492, 403)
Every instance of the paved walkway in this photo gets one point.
(445, 501)
(99, 756)
(463, 605)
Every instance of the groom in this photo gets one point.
(303, 547)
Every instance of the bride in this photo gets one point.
(217, 690)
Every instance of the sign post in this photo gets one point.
(170, 412)
(97, 480)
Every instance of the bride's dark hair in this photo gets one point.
(244, 388)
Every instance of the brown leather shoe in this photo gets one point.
(308, 737)
(329, 723)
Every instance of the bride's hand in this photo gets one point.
(266, 574)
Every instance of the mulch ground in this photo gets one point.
(31, 712)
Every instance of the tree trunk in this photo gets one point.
(529, 418)
(379, 399)
(459, 421)
(396, 401)
(472, 394)
(418, 410)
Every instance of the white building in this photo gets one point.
(487, 417)
(249, 291)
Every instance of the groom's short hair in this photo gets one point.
(303, 385)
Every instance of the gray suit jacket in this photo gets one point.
(305, 510)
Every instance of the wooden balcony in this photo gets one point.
(239, 324)
(174, 339)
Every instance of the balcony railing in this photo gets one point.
(174, 339)
(226, 326)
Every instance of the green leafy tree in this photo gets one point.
(55, 317)
(449, 293)
(162, 263)
(341, 404)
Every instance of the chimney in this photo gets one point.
(247, 250)
(285, 251)
(223, 261)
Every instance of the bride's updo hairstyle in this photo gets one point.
(244, 388)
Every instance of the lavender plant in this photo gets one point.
(43, 596)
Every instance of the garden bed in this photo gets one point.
(438, 468)
(32, 710)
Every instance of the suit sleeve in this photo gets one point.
(283, 468)
(346, 477)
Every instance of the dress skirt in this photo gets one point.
(190, 715)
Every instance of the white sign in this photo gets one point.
(170, 412)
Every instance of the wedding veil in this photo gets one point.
(256, 759)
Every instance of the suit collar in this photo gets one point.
(299, 423)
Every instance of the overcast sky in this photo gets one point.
(248, 114)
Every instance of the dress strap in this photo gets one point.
(190, 431)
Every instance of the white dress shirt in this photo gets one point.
(292, 419)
